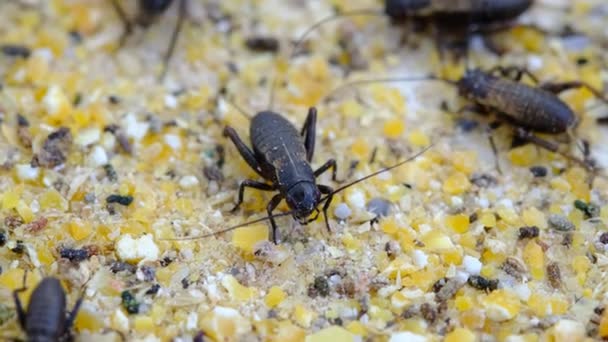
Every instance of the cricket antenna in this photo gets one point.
(386, 169)
(386, 80)
(174, 36)
(220, 232)
(239, 109)
(354, 13)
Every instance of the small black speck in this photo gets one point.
(582, 61)
(14, 50)
(22, 121)
(110, 172)
(74, 255)
(185, 283)
(113, 99)
(129, 302)
(76, 37)
(153, 290)
(77, 100)
(19, 248)
(122, 200)
(166, 261)
(482, 283)
(3, 237)
(604, 238)
(539, 171)
(466, 125)
(528, 232)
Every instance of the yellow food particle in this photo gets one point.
(274, 297)
(79, 230)
(535, 259)
(463, 303)
(558, 183)
(393, 129)
(10, 199)
(351, 108)
(12, 279)
(288, 332)
(465, 162)
(501, 305)
(143, 324)
(525, 155)
(456, 184)
(303, 316)
(399, 300)
(332, 334)
(51, 199)
(224, 324)
(437, 241)
(88, 320)
(508, 215)
(390, 96)
(389, 226)
(534, 217)
(360, 148)
(531, 39)
(25, 212)
(419, 138)
(350, 242)
(357, 328)
(247, 237)
(460, 335)
(580, 265)
(44, 255)
(603, 328)
(488, 220)
(459, 223)
(237, 291)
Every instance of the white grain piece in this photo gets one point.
(88, 137)
(342, 211)
(27, 172)
(420, 258)
(98, 156)
(143, 248)
(188, 182)
(173, 141)
(471, 265)
(407, 336)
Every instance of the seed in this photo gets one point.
(122, 200)
(539, 171)
(482, 283)
(554, 275)
(561, 223)
(74, 255)
(528, 232)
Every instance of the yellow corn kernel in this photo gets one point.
(25, 211)
(288, 332)
(389, 226)
(535, 259)
(463, 303)
(351, 108)
(419, 138)
(603, 328)
(44, 255)
(357, 328)
(360, 148)
(390, 96)
(236, 290)
(456, 184)
(303, 316)
(224, 324)
(399, 301)
(79, 230)
(143, 324)
(435, 240)
(452, 256)
(88, 320)
(274, 297)
(501, 305)
(331, 334)
(558, 183)
(534, 217)
(351, 243)
(393, 129)
(508, 215)
(10, 199)
(460, 335)
(488, 220)
(465, 161)
(53, 199)
(525, 155)
(247, 237)
(531, 39)
(459, 223)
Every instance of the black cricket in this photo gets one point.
(46, 319)
(282, 157)
(527, 108)
(148, 12)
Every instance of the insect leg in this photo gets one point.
(248, 183)
(514, 72)
(18, 307)
(330, 196)
(563, 86)
(550, 146)
(178, 26)
(72, 315)
(244, 151)
(128, 26)
(274, 202)
(309, 130)
(330, 164)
